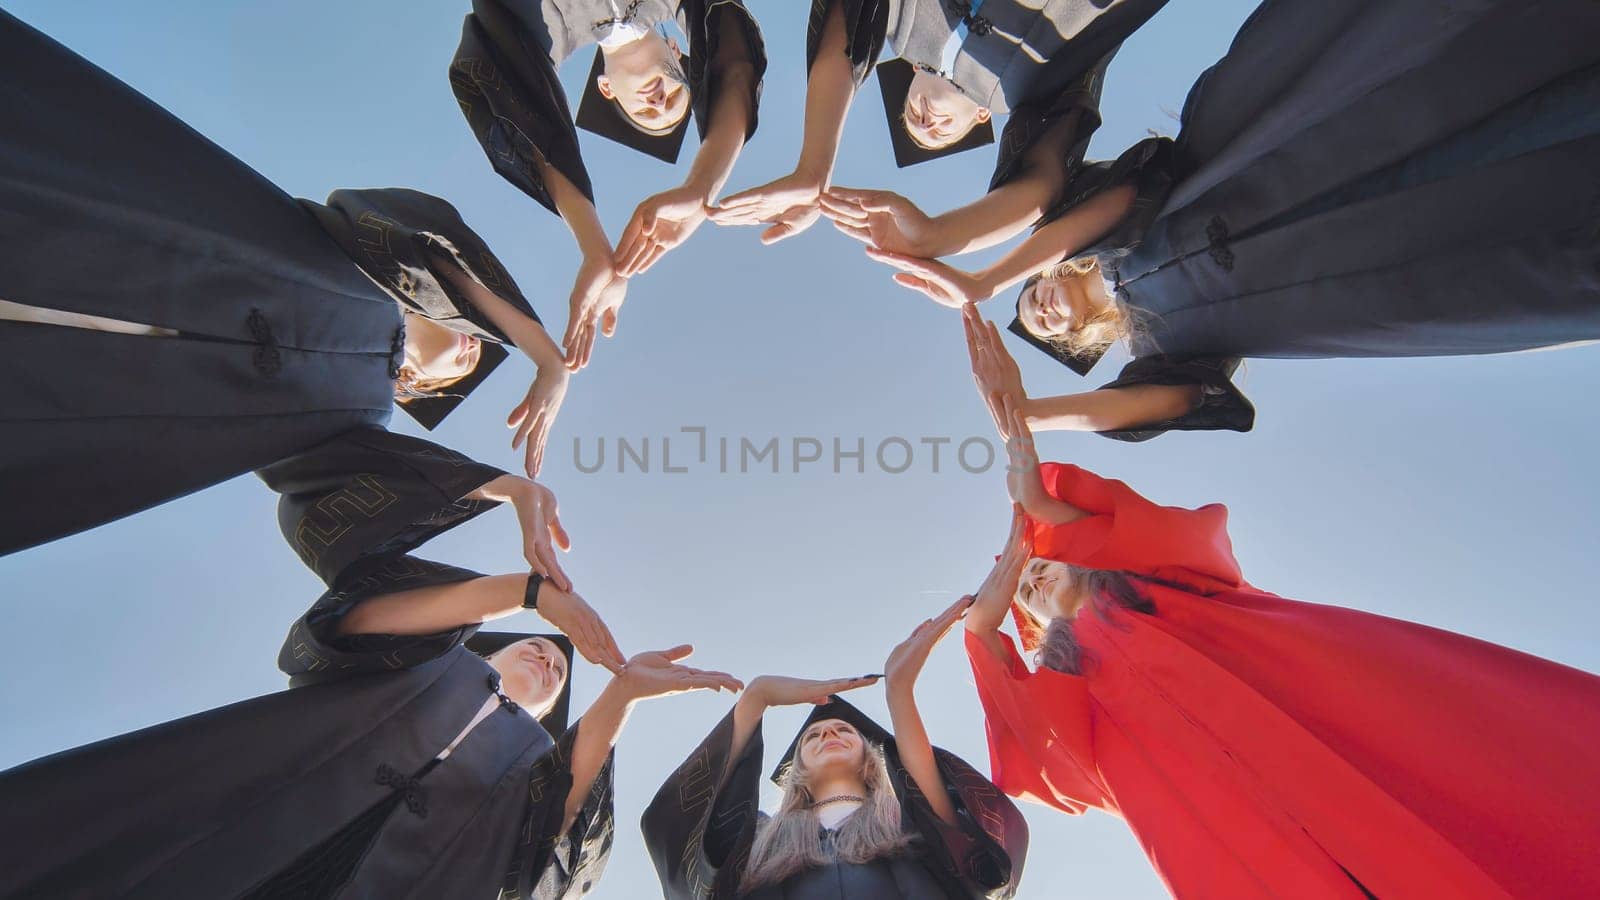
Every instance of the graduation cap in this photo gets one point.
(894, 80)
(430, 411)
(837, 709)
(605, 117)
(486, 642)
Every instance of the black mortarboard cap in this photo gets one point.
(838, 709)
(555, 721)
(604, 117)
(894, 80)
(430, 411)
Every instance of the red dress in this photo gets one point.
(1263, 747)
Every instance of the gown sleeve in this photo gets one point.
(1223, 407)
(714, 26)
(1040, 730)
(1149, 166)
(1035, 115)
(315, 651)
(699, 827)
(984, 850)
(418, 249)
(507, 87)
(866, 26)
(370, 494)
(551, 864)
(1125, 532)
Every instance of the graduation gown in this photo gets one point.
(1263, 747)
(504, 76)
(699, 835)
(281, 343)
(1034, 62)
(1364, 179)
(331, 788)
(270, 341)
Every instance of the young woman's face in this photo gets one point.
(436, 353)
(646, 84)
(937, 114)
(1048, 590)
(532, 672)
(1055, 306)
(831, 744)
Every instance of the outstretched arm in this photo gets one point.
(666, 220)
(910, 736)
(992, 603)
(789, 205)
(1112, 409)
(1057, 241)
(653, 674)
(887, 221)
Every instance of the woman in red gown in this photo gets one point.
(1263, 747)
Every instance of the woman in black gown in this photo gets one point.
(400, 763)
(866, 814)
(958, 64)
(1351, 180)
(170, 319)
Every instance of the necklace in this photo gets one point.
(839, 798)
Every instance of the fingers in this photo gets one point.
(858, 232)
(655, 252)
(558, 534)
(518, 413)
(842, 211)
(869, 200)
(745, 198)
(603, 647)
(778, 232)
(839, 686)
(633, 239)
(901, 261)
(682, 651)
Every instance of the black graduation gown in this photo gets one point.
(282, 342)
(504, 76)
(327, 788)
(1365, 179)
(699, 835)
(1035, 63)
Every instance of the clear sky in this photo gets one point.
(1455, 492)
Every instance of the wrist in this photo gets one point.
(813, 173)
(988, 282)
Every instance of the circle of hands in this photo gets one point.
(896, 233)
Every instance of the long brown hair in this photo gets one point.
(790, 841)
(1059, 649)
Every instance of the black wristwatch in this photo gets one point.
(530, 597)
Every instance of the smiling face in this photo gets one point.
(1061, 302)
(831, 746)
(532, 672)
(937, 114)
(646, 80)
(437, 356)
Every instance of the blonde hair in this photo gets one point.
(408, 385)
(790, 841)
(1110, 323)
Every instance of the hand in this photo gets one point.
(781, 690)
(906, 660)
(993, 368)
(532, 418)
(944, 284)
(659, 224)
(597, 296)
(657, 674)
(536, 514)
(882, 219)
(1023, 481)
(789, 205)
(577, 620)
(1000, 587)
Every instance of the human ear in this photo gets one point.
(983, 114)
(604, 84)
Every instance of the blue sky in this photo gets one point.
(1455, 492)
